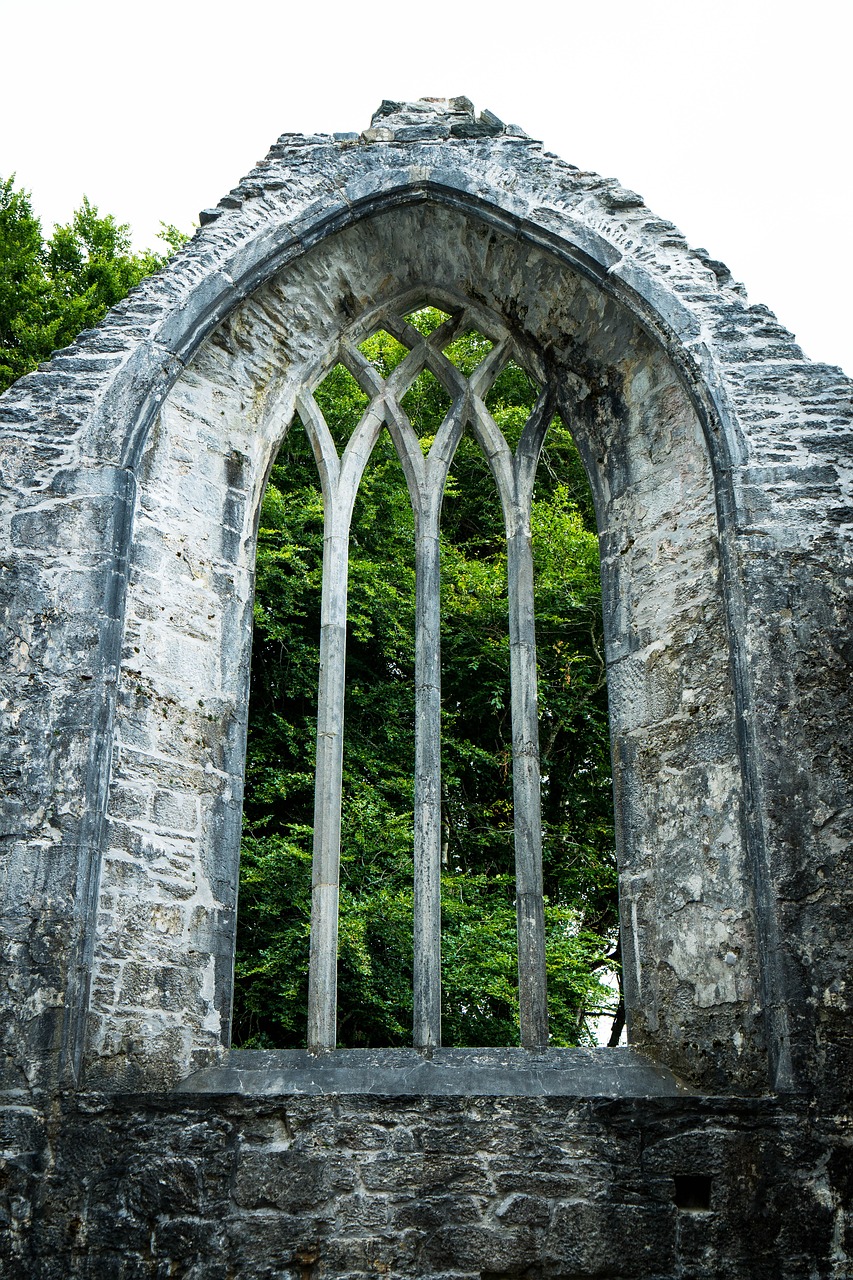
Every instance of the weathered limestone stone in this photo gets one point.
(354, 1186)
(131, 472)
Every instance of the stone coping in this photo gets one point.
(619, 1073)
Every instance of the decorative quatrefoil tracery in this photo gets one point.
(373, 385)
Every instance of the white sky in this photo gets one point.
(732, 119)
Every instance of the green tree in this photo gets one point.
(479, 951)
(51, 290)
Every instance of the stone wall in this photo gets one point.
(480, 1188)
(162, 958)
(131, 472)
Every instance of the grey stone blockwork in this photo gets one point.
(480, 1188)
(131, 472)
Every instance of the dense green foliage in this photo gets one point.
(51, 289)
(479, 954)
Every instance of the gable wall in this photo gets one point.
(74, 476)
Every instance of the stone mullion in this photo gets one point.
(429, 477)
(425, 494)
(340, 480)
(530, 913)
(426, 1028)
(322, 974)
(526, 782)
(427, 862)
(514, 476)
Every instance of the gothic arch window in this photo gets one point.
(166, 885)
(426, 466)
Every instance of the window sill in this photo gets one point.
(613, 1073)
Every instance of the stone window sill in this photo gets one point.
(621, 1072)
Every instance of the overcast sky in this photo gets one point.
(732, 119)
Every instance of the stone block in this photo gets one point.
(605, 1239)
(289, 1181)
(175, 810)
(472, 1248)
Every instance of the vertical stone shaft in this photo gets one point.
(427, 903)
(323, 971)
(532, 990)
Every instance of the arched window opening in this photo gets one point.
(475, 807)
(375, 946)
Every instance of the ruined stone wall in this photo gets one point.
(162, 959)
(481, 1188)
(131, 470)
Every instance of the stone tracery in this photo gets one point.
(426, 477)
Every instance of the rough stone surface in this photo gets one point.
(447, 1188)
(131, 472)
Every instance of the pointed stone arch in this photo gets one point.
(134, 466)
